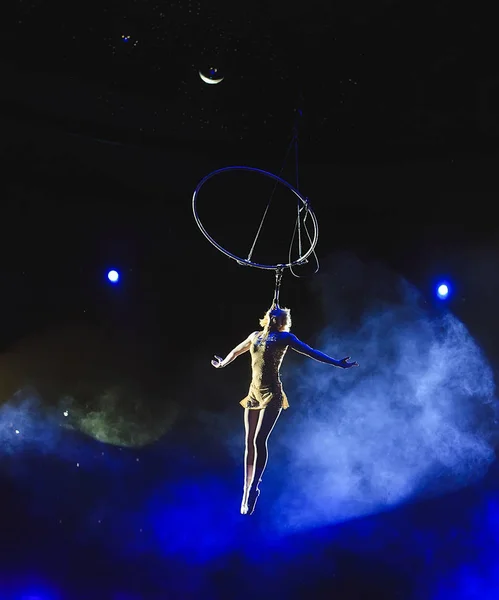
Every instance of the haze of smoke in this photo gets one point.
(105, 388)
(25, 424)
(415, 419)
(27, 421)
(120, 416)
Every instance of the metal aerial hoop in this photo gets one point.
(303, 206)
(247, 261)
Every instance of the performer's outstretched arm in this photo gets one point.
(241, 348)
(302, 348)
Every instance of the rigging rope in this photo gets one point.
(298, 221)
(278, 277)
(297, 229)
(270, 199)
(298, 188)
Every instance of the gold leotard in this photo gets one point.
(266, 359)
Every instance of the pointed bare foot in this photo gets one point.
(253, 497)
(244, 502)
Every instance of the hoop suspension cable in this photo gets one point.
(270, 199)
(317, 267)
(298, 188)
(278, 277)
(279, 270)
(298, 221)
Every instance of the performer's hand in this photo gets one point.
(217, 362)
(344, 364)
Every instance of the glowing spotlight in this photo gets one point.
(113, 276)
(443, 291)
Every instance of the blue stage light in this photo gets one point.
(443, 290)
(113, 276)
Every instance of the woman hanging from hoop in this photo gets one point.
(266, 398)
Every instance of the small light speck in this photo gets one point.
(66, 413)
(137, 459)
(17, 431)
(77, 464)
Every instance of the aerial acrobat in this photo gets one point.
(266, 398)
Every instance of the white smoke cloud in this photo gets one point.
(416, 419)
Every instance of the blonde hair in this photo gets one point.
(276, 319)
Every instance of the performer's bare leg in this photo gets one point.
(251, 422)
(268, 421)
(258, 426)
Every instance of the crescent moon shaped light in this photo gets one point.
(210, 81)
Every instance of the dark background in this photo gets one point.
(103, 142)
